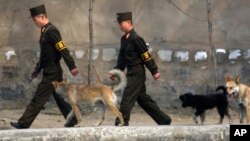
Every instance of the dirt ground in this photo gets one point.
(51, 117)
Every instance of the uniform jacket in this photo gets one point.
(134, 51)
(52, 50)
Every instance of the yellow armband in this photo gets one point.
(146, 56)
(60, 45)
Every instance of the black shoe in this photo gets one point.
(17, 125)
(166, 122)
(72, 122)
(117, 122)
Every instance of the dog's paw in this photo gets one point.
(77, 125)
(196, 122)
(120, 125)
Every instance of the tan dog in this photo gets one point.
(93, 93)
(241, 93)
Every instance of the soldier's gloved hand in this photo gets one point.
(156, 76)
(74, 71)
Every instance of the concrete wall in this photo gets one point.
(178, 43)
(145, 133)
(157, 21)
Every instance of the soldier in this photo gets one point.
(134, 55)
(52, 49)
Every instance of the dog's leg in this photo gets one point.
(113, 108)
(221, 119)
(242, 111)
(77, 112)
(200, 113)
(202, 117)
(248, 113)
(102, 109)
(228, 116)
(241, 115)
(195, 118)
(221, 110)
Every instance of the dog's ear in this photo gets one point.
(228, 78)
(237, 80)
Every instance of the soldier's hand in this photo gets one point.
(34, 75)
(112, 77)
(74, 71)
(156, 76)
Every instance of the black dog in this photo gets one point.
(203, 102)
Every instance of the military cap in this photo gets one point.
(125, 16)
(37, 10)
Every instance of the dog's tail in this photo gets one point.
(122, 81)
(223, 88)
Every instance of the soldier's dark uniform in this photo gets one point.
(134, 55)
(52, 50)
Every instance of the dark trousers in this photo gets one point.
(136, 91)
(42, 95)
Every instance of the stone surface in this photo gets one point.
(221, 55)
(111, 133)
(234, 55)
(95, 54)
(200, 56)
(109, 54)
(165, 55)
(182, 56)
(12, 92)
(79, 54)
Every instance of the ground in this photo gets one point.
(50, 117)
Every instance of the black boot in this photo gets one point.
(166, 121)
(72, 122)
(117, 122)
(17, 125)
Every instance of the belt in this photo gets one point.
(50, 64)
(134, 66)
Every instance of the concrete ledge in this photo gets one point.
(111, 133)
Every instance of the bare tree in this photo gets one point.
(210, 36)
(91, 40)
(210, 32)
